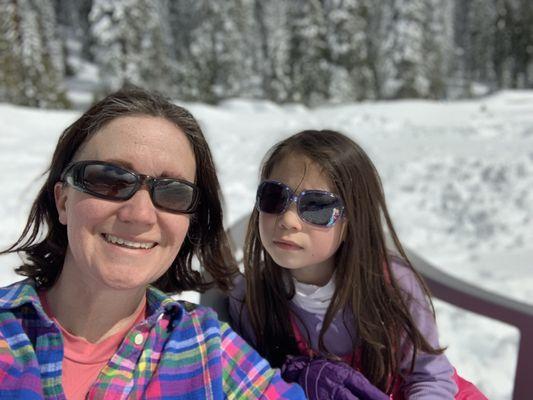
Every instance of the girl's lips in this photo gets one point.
(287, 245)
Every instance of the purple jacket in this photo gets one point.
(432, 377)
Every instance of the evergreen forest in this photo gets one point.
(306, 51)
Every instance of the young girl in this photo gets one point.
(320, 279)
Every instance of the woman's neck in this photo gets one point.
(93, 314)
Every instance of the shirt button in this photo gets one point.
(138, 339)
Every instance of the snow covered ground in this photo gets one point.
(458, 178)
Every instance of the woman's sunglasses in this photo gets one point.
(112, 182)
(316, 207)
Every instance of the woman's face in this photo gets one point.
(126, 244)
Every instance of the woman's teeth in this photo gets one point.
(126, 243)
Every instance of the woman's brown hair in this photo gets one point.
(364, 279)
(206, 239)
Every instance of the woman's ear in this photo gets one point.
(60, 196)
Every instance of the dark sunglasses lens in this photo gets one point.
(272, 197)
(108, 181)
(319, 208)
(173, 195)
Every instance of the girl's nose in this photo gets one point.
(139, 209)
(290, 219)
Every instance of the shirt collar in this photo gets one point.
(20, 294)
(159, 303)
(313, 298)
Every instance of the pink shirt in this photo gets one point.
(83, 360)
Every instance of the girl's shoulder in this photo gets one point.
(239, 288)
(406, 278)
(239, 318)
(400, 268)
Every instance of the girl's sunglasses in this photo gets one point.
(112, 182)
(316, 207)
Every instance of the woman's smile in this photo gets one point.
(128, 243)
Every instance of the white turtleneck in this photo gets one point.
(312, 298)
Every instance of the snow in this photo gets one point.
(457, 175)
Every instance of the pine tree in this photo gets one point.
(513, 42)
(32, 69)
(273, 50)
(309, 57)
(474, 36)
(405, 41)
(73, 19)
(251, 83)
(211, 49)
(183, 18)
(352, 77)
(131, 46)
(502, 45)
(522, 42)
(11, 74)
(156, 68)
(461, 40)
(52, 56)
(378, 15)
(437, 47)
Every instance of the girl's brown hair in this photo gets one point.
(364, 284)
(206, 238)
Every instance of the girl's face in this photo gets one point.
(126, 244)
(304, 249)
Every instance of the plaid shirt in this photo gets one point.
(181, 351)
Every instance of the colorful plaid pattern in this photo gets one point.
(185, 353)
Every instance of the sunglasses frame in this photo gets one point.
(72, 175)
(295, 198)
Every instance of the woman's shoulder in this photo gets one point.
(17, 293)
(198, 312)
(184, 321)
(182, 312)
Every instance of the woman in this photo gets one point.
(130, 198)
